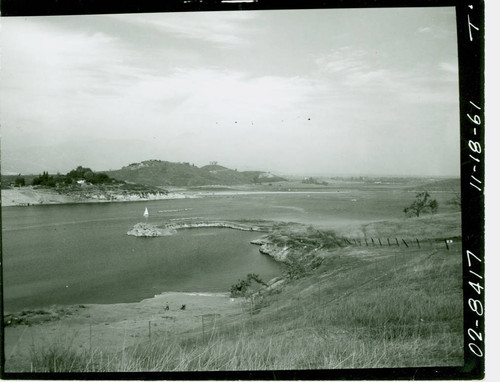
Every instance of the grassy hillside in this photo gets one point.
(445, 225)
(163, 173)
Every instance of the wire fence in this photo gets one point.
(399, 242)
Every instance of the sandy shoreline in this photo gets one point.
(112, 327)
(29, 196)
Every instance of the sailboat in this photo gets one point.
(146, 213)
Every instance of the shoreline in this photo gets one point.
(265, 247)
(115, 326)
(29, 196)
(33, 197)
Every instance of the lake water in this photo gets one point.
(80, 253)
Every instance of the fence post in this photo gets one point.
(366, 241)
(214, 328)
(397, 242)
(251, 313)
(447, 246)
(203, 327)
(388, 242)
(418, 243)
(405, 243)
(379, 241)
(373, 242)
(243, 325)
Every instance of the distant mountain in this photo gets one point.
(163, 173)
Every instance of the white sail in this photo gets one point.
(146, 213)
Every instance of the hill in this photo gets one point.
(79, 185)
(163, 173)
(451, 184)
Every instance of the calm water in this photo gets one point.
(80, 253)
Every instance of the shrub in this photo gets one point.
(295, 269)
(246, 287)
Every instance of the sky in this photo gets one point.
(330, 92)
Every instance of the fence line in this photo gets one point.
(414, 242)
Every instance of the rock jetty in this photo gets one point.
(151, 230)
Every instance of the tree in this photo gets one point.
(19, 182)
(422, 204)
(88, 175)
(43, 180)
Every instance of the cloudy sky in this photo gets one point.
(350, 91)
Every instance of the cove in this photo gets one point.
(54, 260)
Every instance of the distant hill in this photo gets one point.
(452, 184)
(163, 173)
(214, 167)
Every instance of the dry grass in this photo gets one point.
(425, 227)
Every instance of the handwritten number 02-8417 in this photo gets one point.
(475, 305)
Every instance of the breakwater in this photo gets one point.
(152, 230)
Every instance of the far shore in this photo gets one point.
(28, 196)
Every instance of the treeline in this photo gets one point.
(311, 180)
(80, 173)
